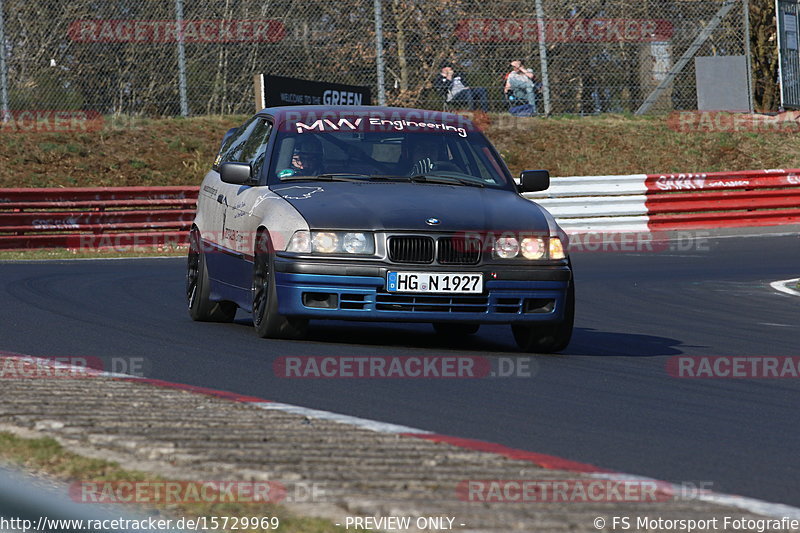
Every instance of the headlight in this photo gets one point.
(332, 242)
(324, 242)
(556, 248)
(522, 247)
(354, 243)
(300, 242)
(533, 248)
(506, 247)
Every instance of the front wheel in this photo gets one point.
(267, 321)
(201, 307)
(548, 338)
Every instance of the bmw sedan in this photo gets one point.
(376, 214)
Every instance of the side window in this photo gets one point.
(255, 150)
(473, 158)
(231, 151)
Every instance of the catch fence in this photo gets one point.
(171, 57)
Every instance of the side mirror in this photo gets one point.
(235, 173)
(534, 180)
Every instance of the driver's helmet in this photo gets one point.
(307, 155)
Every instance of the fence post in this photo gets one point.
(379, 52)
(542, 34)
(3, 71)
(747, 52)
(181, 59)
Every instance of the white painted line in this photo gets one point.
(372, 425)
(783, 286)
(773, 510)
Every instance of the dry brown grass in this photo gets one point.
(175, 151)
(613, 144)
(128, 152)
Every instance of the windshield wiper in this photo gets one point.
(344, 176)
(445, 180)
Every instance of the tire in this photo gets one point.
(548, 338)
(448, 329)
(201, 308)
(267, 321)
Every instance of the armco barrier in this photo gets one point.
(109, 217)
(125, 217)
(665, 202)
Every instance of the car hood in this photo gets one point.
(407, 207)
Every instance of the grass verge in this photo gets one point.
(132, 151)
(45, 254)
(48, 457)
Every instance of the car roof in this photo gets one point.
(316, 112)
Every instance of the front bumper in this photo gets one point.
(511, 295)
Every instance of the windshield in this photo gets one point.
(449, 158)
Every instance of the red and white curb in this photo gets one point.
(550, 462)
(786, 286)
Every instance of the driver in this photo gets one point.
(307, 158)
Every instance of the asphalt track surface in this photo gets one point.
(608, 400)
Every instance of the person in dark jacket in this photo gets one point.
(455, 90)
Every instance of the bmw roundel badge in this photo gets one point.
(432, 221)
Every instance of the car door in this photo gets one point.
(239, 222)
(220, 257)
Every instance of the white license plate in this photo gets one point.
(434, 282)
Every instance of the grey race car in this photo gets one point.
(382, 214)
